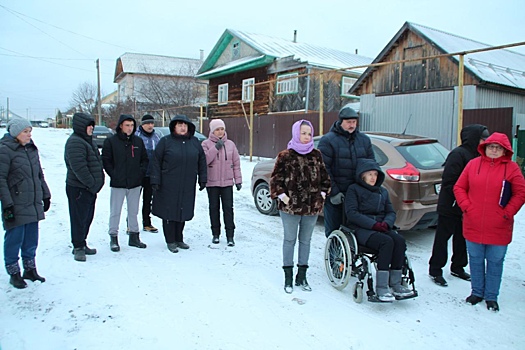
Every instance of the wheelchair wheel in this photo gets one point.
(357, 292)
(338, 259)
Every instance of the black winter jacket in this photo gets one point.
(83, 161)
(456, 161)
(22, 182)
(365, 205)
(340, 150)
(124, 157)
(179, 163)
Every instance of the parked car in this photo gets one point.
(101, 133)
(164, 130)
(413, 166)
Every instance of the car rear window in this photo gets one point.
(425, 155)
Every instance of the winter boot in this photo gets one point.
(382, 290)
(172, 247)
(32, 275)
(288, 278)
(300, 278)
(30, 271)
(398, 290)
(17, 281)
(134, 240)
(89, 251)
(114, 244)
(79, 254)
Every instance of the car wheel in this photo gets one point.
(264, 203)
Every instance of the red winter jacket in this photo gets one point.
(478, 191)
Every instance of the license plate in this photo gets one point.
(101, 136)
(437, 187)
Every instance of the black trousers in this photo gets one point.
(173, 231)
(147, 196)
(81, 211)
(448, 226)
(391, 247)
(216, 196)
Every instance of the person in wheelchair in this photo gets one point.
(370, 214)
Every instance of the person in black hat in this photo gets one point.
(146, 132)
(450, 215)
(341, 147)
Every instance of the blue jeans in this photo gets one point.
(306, 226)
(24, 238)
(485, 281)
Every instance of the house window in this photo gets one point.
(346, 84)
(236, 50)
(247, 88)
(287, 86)
(223, 94)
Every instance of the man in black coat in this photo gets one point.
(341, 147)
(84, 180)
(449, 220)
(125, 161)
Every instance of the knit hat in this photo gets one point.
(17, 125)
(147, 118)
(215, 124)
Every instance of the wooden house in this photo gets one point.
(421, 96)
(285, 74)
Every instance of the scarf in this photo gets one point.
(295, 143)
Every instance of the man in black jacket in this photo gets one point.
(84, 180)
(341, 147)
(449, 220)
(125, 161)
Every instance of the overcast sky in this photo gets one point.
(48, 48)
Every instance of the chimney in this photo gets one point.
(295, 36)
(202, 54)
(356, 52)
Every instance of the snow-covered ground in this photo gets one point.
(217, 297)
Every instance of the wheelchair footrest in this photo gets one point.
(414, 295)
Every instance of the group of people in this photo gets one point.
(482, 190)
(138, 161)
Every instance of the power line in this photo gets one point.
(65, 30)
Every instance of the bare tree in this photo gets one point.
(168, 89)
(84, 98)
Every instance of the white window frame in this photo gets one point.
(222, 98)
(346, 84)
(287, 86)
(247, 88)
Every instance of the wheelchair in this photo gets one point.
(344, 258)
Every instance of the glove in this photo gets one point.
(219, 144)
(337, 199)
(155, 187)
(47, 203)
(202, 185)
(9, 214)
(379, 227)
(239, 186)
(385, 226)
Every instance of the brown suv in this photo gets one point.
(413, 165)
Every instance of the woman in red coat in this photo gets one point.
(487, 221)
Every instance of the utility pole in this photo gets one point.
(8, 110)
(99, 102)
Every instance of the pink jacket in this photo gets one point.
(224, 165)
(478, 191)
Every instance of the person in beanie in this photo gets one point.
(125, 160)
(25, 197)
(84, 179)
(300, 182)
(488, 214)
(224, 171)
(450, 215)
(179, 163)
(341, 147)
(150, 138)
(370, 214)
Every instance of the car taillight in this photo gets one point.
(406, 173)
